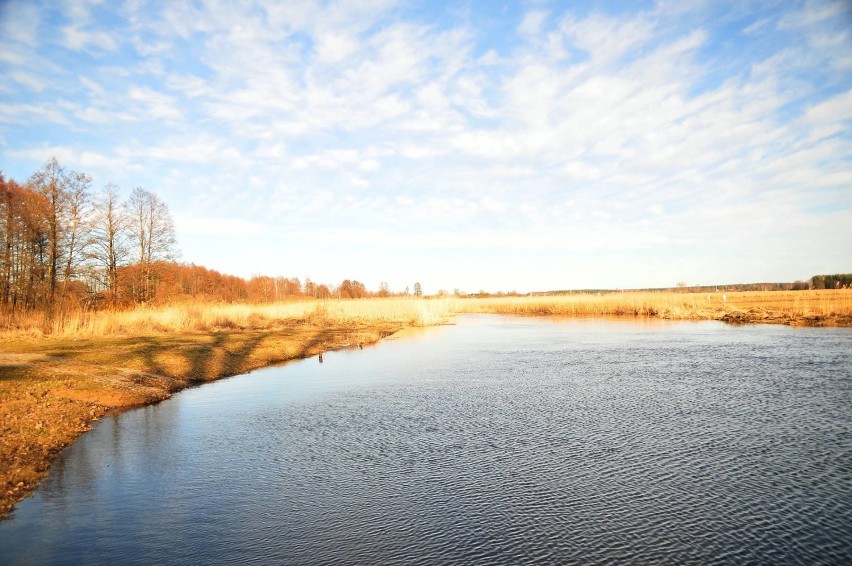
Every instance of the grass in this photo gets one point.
(206, 317)
(792, 307)
(824, 307)
(57, 378)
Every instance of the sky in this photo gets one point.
(464, 145)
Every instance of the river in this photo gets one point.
(495, 440)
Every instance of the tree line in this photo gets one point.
(836, 281)
(64, 245)
(61, 243)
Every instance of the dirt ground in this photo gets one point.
(51, 390)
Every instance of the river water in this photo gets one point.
(496, 440)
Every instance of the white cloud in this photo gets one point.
(78, 39)
(206, 226)
(157, 104)
(576, 133)
(205, 150)
(606, 39)
(815, 12)
(532, 23)
(68, 156)
(19, 22)
(32, 113)
(28, 80)
(413, 151)
(832, 112)
(334, 47)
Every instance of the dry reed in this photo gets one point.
(780, 306)
(792, 307)
(205, 317)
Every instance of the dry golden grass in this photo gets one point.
(789, 307)
(211, 317)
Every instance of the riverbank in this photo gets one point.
(52, 387)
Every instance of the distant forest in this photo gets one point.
(65, 246)
(836, 281)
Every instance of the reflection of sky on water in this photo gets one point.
(495, 437)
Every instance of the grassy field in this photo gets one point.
(57, 378)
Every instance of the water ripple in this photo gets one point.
(524, 442)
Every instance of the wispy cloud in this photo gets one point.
(569, 136)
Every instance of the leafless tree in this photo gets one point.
(49, 182)
(66, 200)
(76, 222)
(110, 233)
(152, 233)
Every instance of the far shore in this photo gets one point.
(54, 386)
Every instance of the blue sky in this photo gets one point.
(480, 145)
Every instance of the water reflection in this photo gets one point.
(495, 440)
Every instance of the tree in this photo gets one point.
(23, 241)
(418, 291)
(109, 238)
(310, 288)
(262, 288)
(323, 292)
(153, 234)
(77, 217)
(359, 290)
(344, 290)
(64, 209)
(49, 182)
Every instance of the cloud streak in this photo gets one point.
(564, 140)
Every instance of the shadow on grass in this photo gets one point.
(200, 357)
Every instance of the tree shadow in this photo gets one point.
(205, 357)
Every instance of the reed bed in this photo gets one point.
(791, 307)
(206, 317)
(785, 306)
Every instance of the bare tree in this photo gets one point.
(49, 182)
(152, 233)
(110, 233)
(76, 219)
(65, 197)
